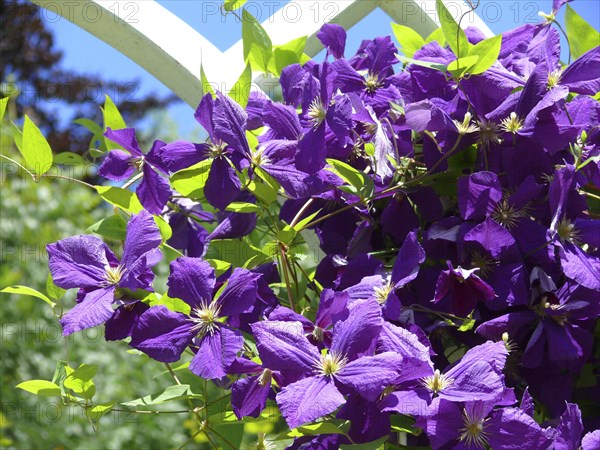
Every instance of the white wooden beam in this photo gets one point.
(173, 51)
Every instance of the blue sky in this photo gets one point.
(86, 53)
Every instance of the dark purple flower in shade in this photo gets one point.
(494, 250)
(154, 190)
(185, 220)
(478, 195)
(463, 288)
(86, 263)
(164, 335)
(322, 378)
(553, 329)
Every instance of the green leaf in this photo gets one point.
(60, 373)
(80, 380)
(287, 54)
(240, 207)
(113, 227)
(190, 182)
(232, 5)
(461, 66)
(438, 36)
(237, 252)
(174, 304)
(17, 135)
(164, 228)
(219, 266)
(430, 65)
(68, 158)
(172, 393)
(3, 103)
(361, 184)
(121, 198)
(409, 39)
(318, 428)
(40, 387)
(487, 51)
(24, 290)
(455, 36)
(468, 324)
(206, 86)
(97, 411)
(35, 148)
(379, 444)
(240, 92)
(307, 220)
(53, 291)
(112, 120)
(258, 48)
(581, 35)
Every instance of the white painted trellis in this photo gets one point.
(171, 50)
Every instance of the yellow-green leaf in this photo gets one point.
(409, 39)
(121, 198)
(35, 148)
(455, 35)
(582, 36)
(40, 387)
(112, 120)
(240, 92)
(487, 51)
(24, 290)
(3, 103)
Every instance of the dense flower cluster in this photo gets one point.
(465, 234)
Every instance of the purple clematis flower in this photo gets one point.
(349, 365)
(463, 288)
(154, 190)
(476, 425)
(86, 263)
(164, 335)
(225, 122)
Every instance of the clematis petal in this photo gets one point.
(216, 352)
(357, 334)
(239, 296)
(370, 375)
(126, 139)
(122, 322)
(409, 260)
(249, 396)
(179, 155)
(478, 195)
(192, 280)
(282, 346)
(222, 185)
(229, 120)
(311, 150)
(117, 166)
(142, 238)
(95, 309)
(79, 262)
(308, 399)
(333, 37)
(162, 334)
(154, 191)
